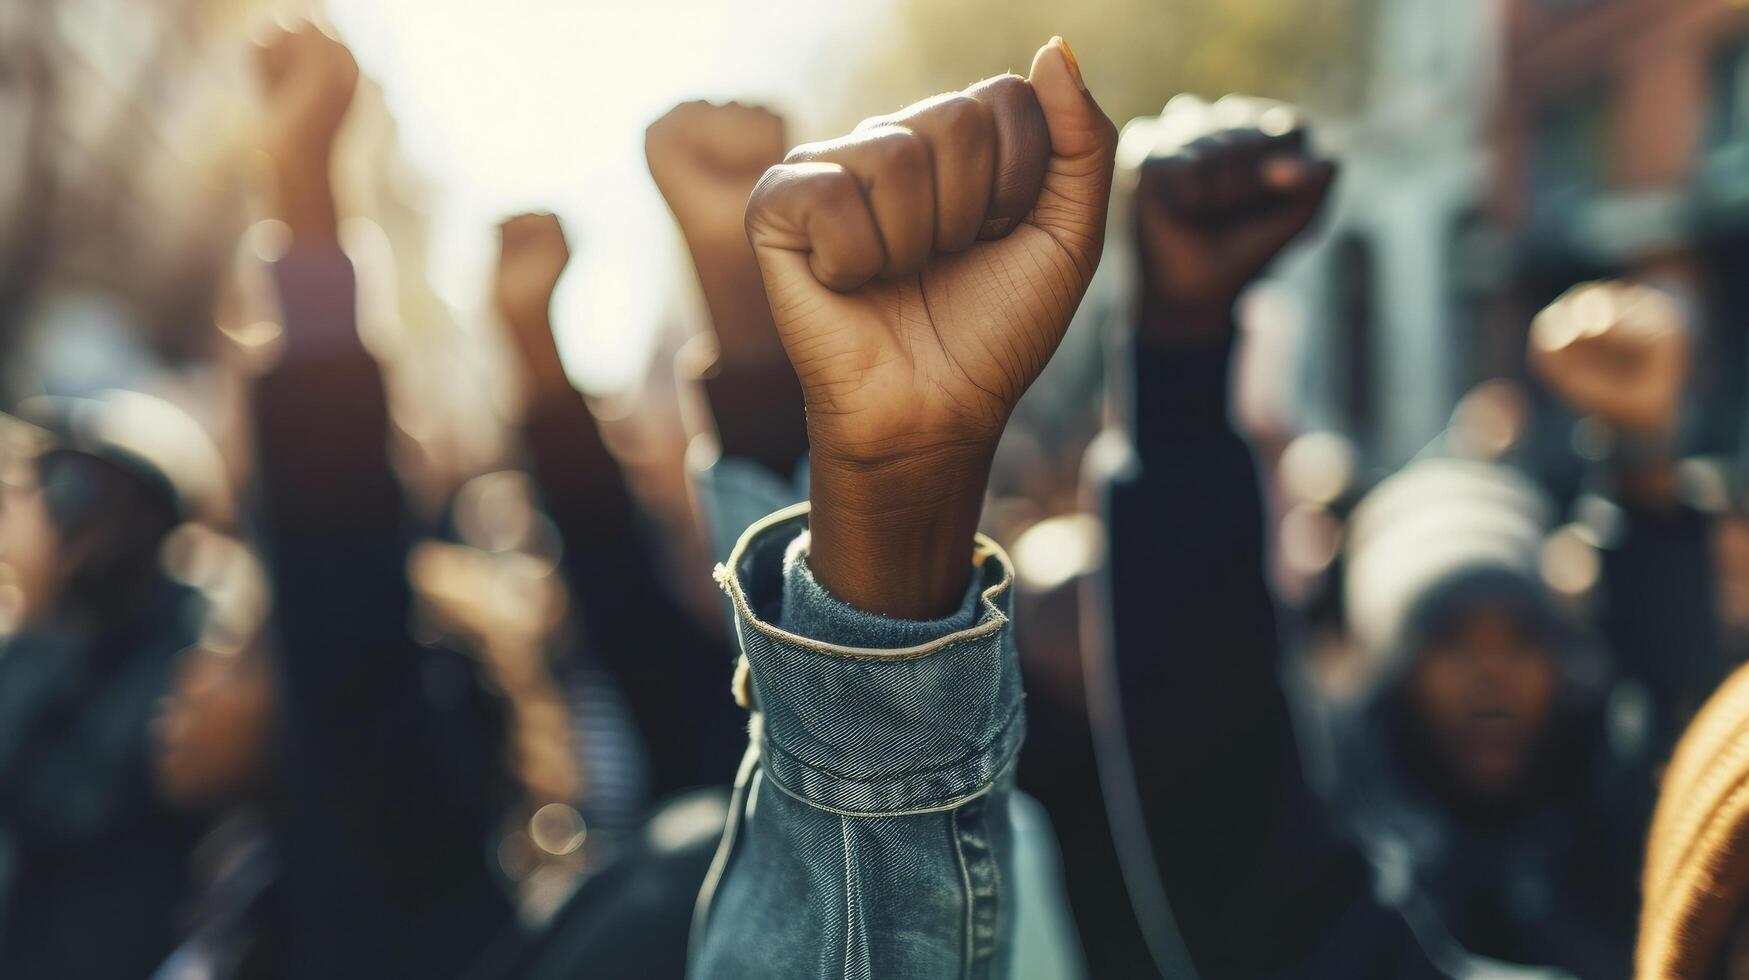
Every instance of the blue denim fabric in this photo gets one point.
(734, 494)
(871, 834)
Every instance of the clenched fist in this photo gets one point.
(308, 80)
(921, 271)
(531, 255)
(1222, 190)
(705, 159)
(1616, 350)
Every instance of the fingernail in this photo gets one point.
(1069, 59)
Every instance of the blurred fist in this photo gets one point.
(912, 336)
(308, 79)
(705, 159)
(1615, 350)
(1222, 189)
(531, 255)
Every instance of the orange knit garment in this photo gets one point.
(1697, 858)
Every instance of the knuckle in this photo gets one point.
(962, 118)
(896, 149)
(1004, 86)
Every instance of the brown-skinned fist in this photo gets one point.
(532, 253)
(308, 80)
(921, 271)
(1616, 350)
(1222, 190)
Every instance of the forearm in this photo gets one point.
(896, 539)
(302, 192)
(1191, 649)
(1660, 617)
(673, 675)
(333, 510)
(753, 393)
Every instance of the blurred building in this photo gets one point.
(1389, 285)
(1507, 151)
(1621, 142)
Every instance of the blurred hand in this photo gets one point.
(913, 339)
(705, 160)
(1214, 212)
(531, 254)
(308, 80)
(1616, 350)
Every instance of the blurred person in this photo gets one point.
(373, 783)
(1504, 752)
(663, 664)
(92, 865)
(1488, 819)
(920, 272)
(705, 159)
(631, 916)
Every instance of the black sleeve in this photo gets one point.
(1257, 881)
(759, 414)
(673, 674)
(390, 768)
(1659, 614)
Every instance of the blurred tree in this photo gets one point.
(1136, 53)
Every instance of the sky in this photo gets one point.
(524, 104)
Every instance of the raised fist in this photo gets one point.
(921, 271)
(308, 79)
(531, 255)
(1616, 350)
(705, 159)
(1222, 189)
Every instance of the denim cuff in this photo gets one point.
(862, 714)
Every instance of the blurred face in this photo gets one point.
(1482, 696)
(29, 544)
(212, 730)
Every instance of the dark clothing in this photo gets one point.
(1261, 878)
(632, 919)
(673, 675)
(389, 776)
(1258, 879)
(92, 867)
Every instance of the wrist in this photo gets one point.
(895, 537)
(537, 354)
(1171, 321)
(1640, 463)
(304, 198)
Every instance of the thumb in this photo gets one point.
(1072, 204)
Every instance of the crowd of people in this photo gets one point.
(265, 714)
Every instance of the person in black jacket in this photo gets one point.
(1242, 869)
(92, 865)
(672, 672)
(381, 778)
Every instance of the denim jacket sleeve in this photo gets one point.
(870, 835)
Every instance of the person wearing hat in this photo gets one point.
(92, 864)
(1475, 735)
